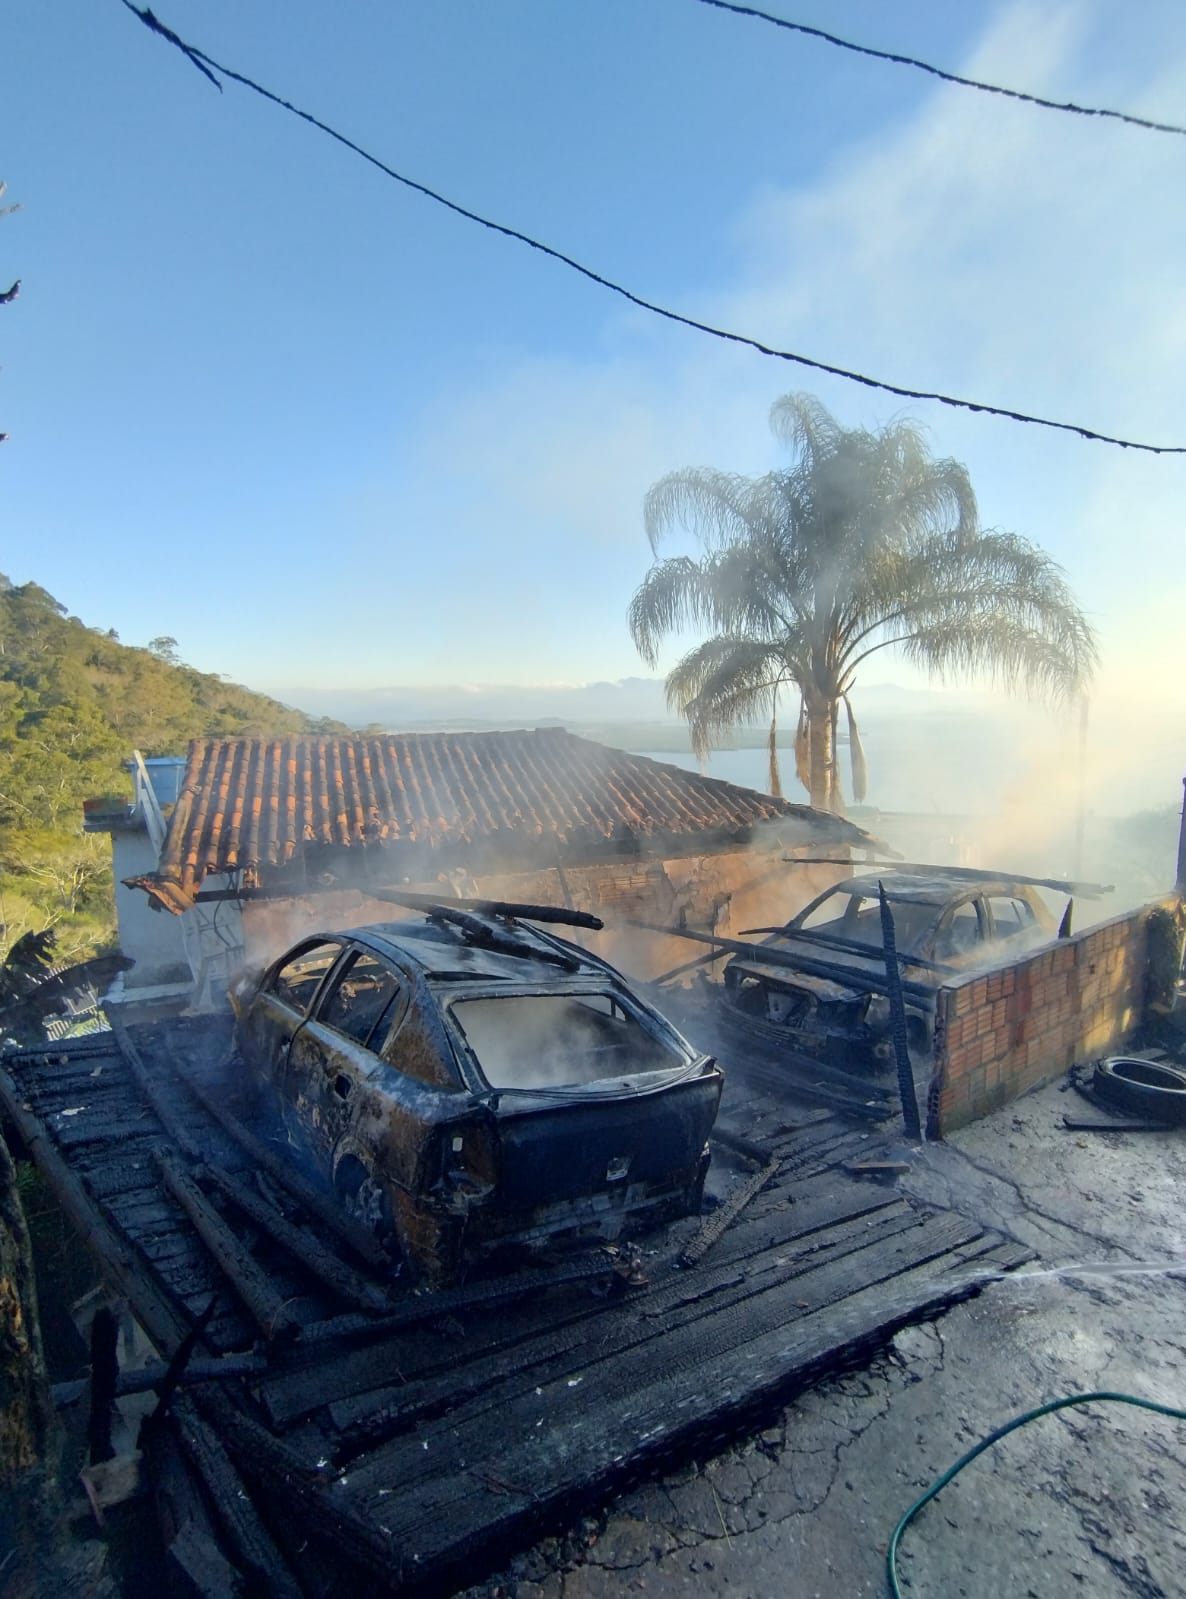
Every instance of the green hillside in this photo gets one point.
(74, 702)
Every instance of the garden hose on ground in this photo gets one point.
(995, 1437)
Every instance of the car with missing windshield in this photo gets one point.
(823, 977)
(467, 1082)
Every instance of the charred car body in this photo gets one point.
(824, 976)
(468, 1082)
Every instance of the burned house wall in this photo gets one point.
(730, 890)
(215, 945)
(1001, 1032)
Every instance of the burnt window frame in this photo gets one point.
(947, 917)
(1015, 898)
(318, 941)
(392, 1010)
(650, 1021)
(842, 922)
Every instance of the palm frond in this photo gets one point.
(719, 507)
(723, 682)
(671, 598)
(856, 754)
(863, 542)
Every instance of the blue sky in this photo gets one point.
(325, 434)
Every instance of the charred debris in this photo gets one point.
(316, 1411)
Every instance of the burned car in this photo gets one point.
(824, 978)
(468, 1082)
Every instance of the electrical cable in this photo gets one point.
(1023, 1420)
(208, 66)
(940, 72)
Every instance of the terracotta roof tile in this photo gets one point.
(248, 804)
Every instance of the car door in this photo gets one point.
(331, 1059)
(279, 1008)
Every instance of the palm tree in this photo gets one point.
(864, 543)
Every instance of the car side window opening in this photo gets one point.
(1010, 916)
(858, 917)
(359, 997)
(298, 979)
(543, 1041)
(831, 912)
(959, 931)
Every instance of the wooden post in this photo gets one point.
(104, 1377)
(898, 1033)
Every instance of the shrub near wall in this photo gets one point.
(1003, 1031)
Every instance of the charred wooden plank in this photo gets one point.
(486, 1385)
(336, 1274)
(63, 1053)
(307, 1494)
(165, 1325)
(607, 1328)
(165, 1112)
(187, 1532)
(702, 1361)
(641, 1348)
(751, 1150)
(249, 1281)
(143, 1379)
(448, 1522)
(107, 1178)
(448, 1302)
(319, 1204)
(771, 955)
(592, 1352)
(100, 1078)
(254, 1548)
(727, 1214)
(127, 1132)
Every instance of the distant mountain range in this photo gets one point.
(401, 708)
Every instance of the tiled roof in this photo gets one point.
(250, 804)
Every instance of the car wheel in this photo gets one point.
(364, 1198)
(1142, 1087)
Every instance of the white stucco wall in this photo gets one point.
(153, 939)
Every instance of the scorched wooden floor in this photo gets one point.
(420, 1439)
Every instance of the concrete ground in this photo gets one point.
(1089, 1502)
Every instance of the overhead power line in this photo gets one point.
(209, 67)
(939, 72)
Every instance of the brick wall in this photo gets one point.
(1002, 1031)
(735, 889)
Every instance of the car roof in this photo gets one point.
(925, 888)
(442, 951)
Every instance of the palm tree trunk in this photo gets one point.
(775, 775)
(822, 751)
(836, 791)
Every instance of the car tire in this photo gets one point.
(1142, 1087)
(364, 1199)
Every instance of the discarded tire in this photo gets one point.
(1143, 1087)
